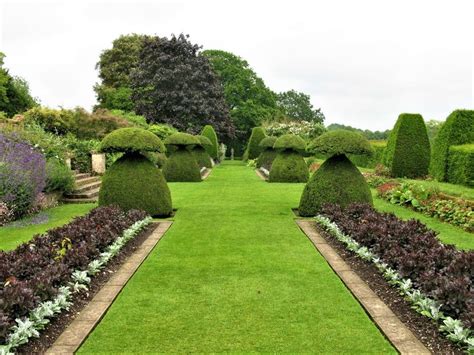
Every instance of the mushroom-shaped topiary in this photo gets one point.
(213, 150)
(133, 181)
(253, 147)
(268, 155)
(181, 164)
(337, 181)
(289, 165)
(200, 154)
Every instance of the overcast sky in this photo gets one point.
(362, 62)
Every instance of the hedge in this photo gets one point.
(131, 140)
(340, 142)
(461, 164)
(366, 161)
(253, 147)
(289, 166)
(337, 181)
(268, 155)
(457, 130)
(181, 166)
(209, 132)
(408, 149)
(134, 182)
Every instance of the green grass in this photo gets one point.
(235, 274)
(11, 237)
(446, 233)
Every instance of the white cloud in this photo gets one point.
(363, 62)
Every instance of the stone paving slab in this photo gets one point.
(75, 334)
(206, 174)
(395, 331)
(261, 175)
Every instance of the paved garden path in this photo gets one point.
(234, 273)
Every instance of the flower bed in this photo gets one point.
(436, 278)
(39, 278)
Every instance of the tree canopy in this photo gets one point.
(297, 106)
(115, 65)
(173, 83)
(370, 135)
(249, 100)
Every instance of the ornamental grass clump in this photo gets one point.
(289, 165)
(181, 165)
(133, 181)
(200, 153)
(408, 149)
(22, 175)
(337, 181)
(268, 155)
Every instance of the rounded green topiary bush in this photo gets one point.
(181, 166)
(268, 155)
(408, 149)
(289, 165)
(337, 181)
(132, 139)
(253, 147)
(133, 182)
(182, 140)
(457, 130)
(200, 154)
(209, 132)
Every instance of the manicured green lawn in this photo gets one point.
(10, 237)
(447, 233)
(235, 274)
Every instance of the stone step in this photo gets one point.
(79, 200)
(86, 194)
(79, 175)
(86, 180)
(87, 187)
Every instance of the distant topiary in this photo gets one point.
(209, 132)
(461, 164)
(181, 166)
(408, 149)
(268, 155)
(133, 181)
(289, 165)
(200, 154)
(457, 130)
(337, 181)
(253, 147)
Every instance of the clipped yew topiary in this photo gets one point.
(253, 147)
(200, 154)
(213, 150)
(408, 149)
(457, 130)
(268, 155)
(337, 181)
(133, 181)
(289, 165)
(181, 166)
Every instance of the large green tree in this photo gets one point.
(115, 65)
(297, 106)
(175, 84)
(250, 101)
(15, 94)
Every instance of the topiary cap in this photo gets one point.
(268, 142)
(341, 142)
(204, 141)
(182, 139)
(131, 139)
(290, 141)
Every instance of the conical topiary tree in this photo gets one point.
(181, 164)
(457, 130)
(253, 148)
(337, 181)
(408, 149)
(213, 150)
(200, 154)
(289, 165)
(268, 154)
(133, 181)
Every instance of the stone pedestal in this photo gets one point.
(98, 163)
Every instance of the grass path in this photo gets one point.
(235, 274)
(12, 236)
